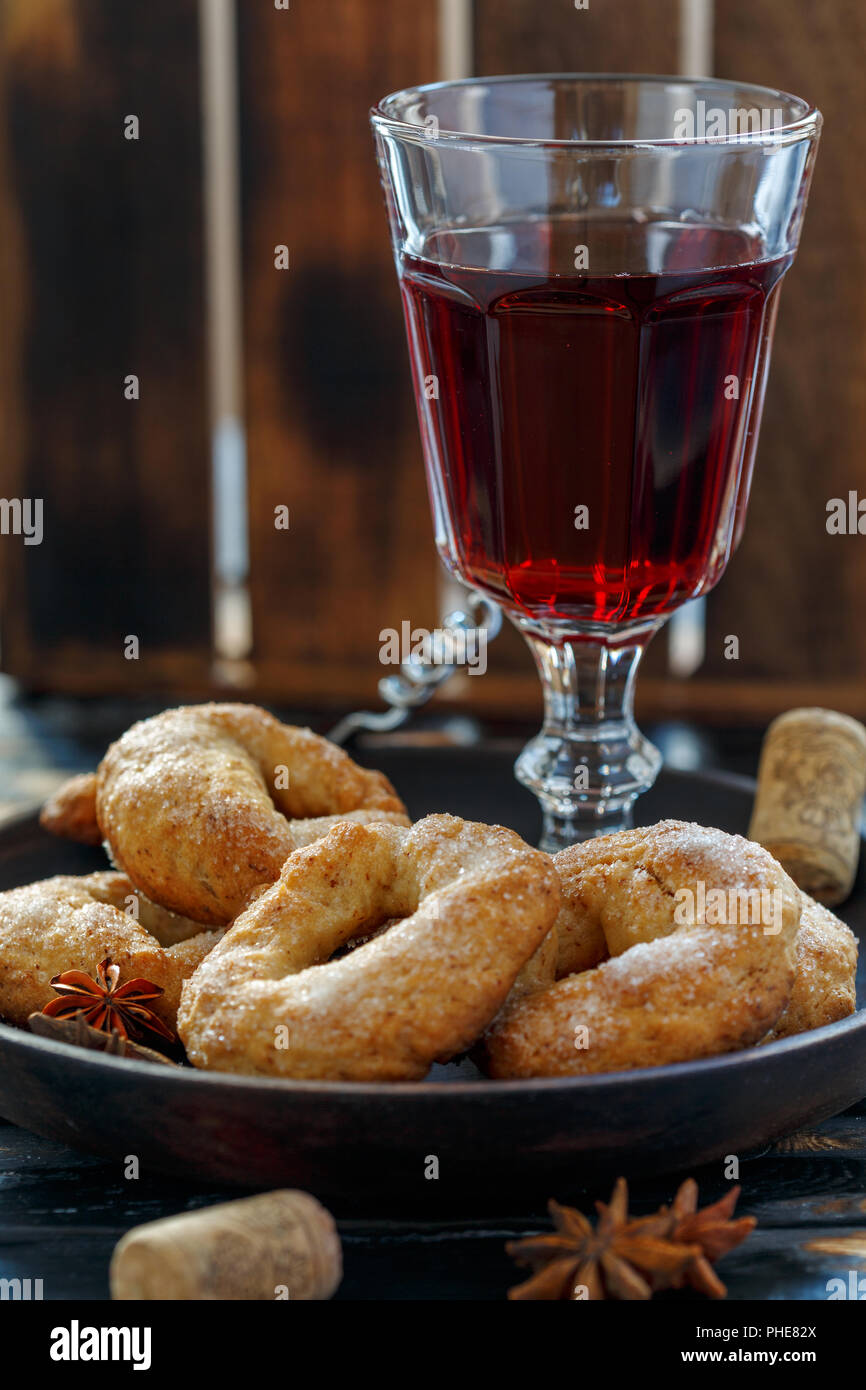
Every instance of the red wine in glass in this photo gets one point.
(590, 285)
(589, 435)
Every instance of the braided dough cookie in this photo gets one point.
(824, 984)
(269, 999)
(674, 988)
(71, 923)
(202, 805)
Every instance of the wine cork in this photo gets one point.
(811, 781)
(280, 1245)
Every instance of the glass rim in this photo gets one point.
(805, 125)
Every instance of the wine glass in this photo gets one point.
(590, 269)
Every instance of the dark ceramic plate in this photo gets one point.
(371, 1146)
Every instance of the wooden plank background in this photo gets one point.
(794, 591)
(101, 273)
(609, 36)
(101, 276)
(331, 426)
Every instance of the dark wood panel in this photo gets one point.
(793, 593)
(63, 1212)
(608, 36)
(332, 432)
(101, 276)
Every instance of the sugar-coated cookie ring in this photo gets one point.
(580, 937)
(674, 989)
(71, 811)
(479, 903)
(203, 804)
(826, 966)
(118, 891)
(540, 970)
(824, 988)
(72, 923)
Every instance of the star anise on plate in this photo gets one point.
(629, 1258)
(107, 1005)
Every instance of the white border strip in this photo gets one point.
(222, 238)
(687, 630)
(456, 57)
(696, 38)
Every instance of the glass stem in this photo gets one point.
(590, 761)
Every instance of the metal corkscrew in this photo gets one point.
(417, 681)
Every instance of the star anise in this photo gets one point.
(105, 1004)
(713, 1229)
(618, 1258)
(624, 1258)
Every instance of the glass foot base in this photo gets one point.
(590, 762)
(587, 785)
